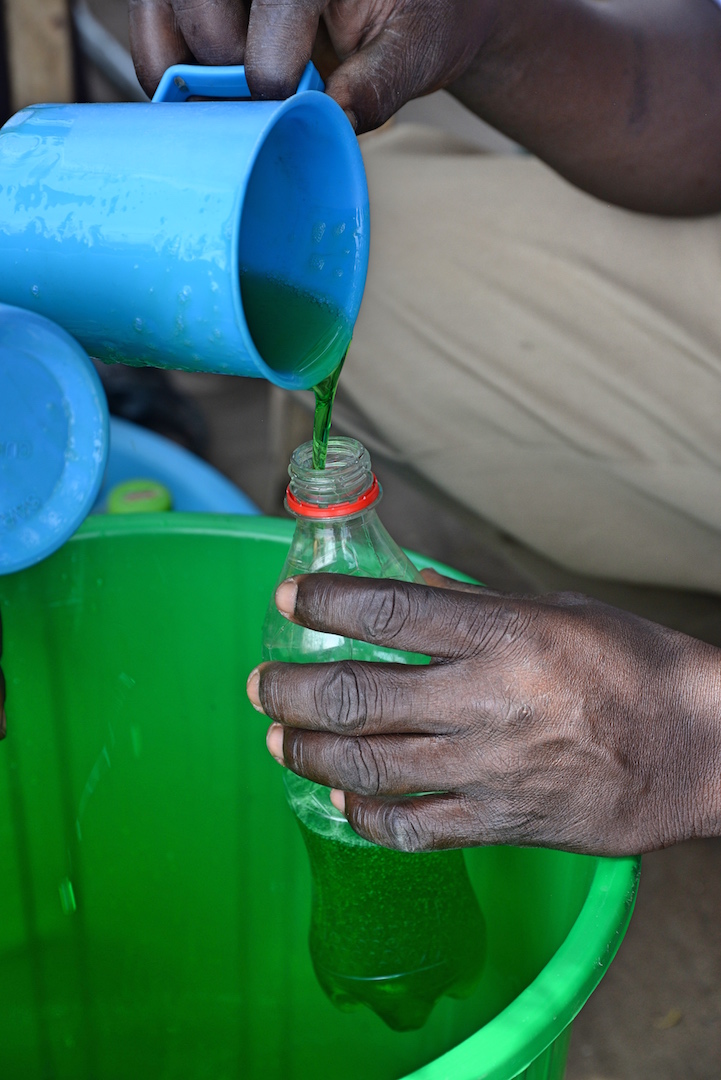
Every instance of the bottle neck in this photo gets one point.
(344, 488)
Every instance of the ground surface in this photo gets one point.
(657, 1014)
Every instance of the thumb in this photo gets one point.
(372, 84)
(421, 47)
(441, 581)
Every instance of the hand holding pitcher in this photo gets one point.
(383, 54)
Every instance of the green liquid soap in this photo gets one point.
(293, 330)
(392, 931)
(324, 397)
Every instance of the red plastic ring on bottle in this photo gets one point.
(345, 509)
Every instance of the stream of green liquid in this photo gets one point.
(324, 397)
(294, 331)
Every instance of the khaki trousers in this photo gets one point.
(552, 362)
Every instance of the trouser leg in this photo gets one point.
(548, 360)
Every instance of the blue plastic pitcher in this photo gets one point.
(206, 235)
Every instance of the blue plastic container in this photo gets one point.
(130, 225)
(136, 453)
(53, 437)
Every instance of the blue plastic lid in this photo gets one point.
(53, 437)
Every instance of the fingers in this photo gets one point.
(413, 49)
(373, 83)
(421, 823)
(440, 581)
(353, 698)
(215, 30)
(435, 822)
(384, 765)
(156, 41)
(413, 618)
(281, 36)
(324, 55)
(383, 69)
(166, 32)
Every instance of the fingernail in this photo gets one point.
(252, 687)
(285, 596)
(338, 800)
(274, 742)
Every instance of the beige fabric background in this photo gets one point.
(551, 361)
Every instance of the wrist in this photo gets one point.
(706, 720)
(691, 761)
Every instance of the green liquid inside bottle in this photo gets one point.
(392, 931)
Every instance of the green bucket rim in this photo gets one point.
(541, 1012)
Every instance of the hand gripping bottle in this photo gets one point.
(389, 930)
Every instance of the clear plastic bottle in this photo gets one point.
(389, 930)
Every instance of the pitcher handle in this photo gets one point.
(190, 80)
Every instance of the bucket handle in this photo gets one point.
(183, 81)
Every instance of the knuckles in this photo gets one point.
(387, 611)
(354, 765)
(397, 825)
(343, 697)
(361, 766)
(377, 612)
(505, 631)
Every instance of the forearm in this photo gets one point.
(621, 97)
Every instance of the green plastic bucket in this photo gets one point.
(155, 894)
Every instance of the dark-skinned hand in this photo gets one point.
(555, 721)
(374, 54)
(622, 97)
